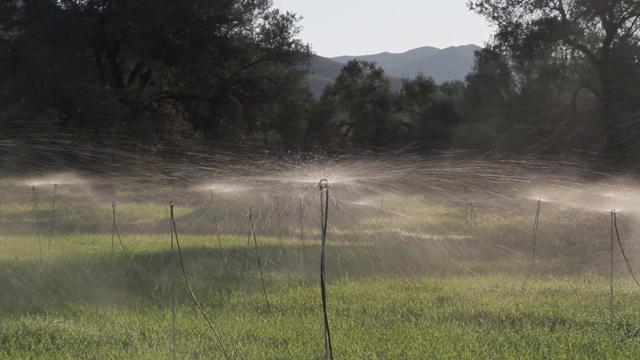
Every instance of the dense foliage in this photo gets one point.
(562, 74)
(153, 70)
(558, 77)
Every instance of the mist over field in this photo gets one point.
(79, 245)
(189, 180)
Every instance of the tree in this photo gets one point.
(490, 87)
(593, 29)
(358, 105)
(428, 111)
(514, 104)
(291, 119)
(149, 68)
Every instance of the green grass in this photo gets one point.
(410, 281)
(81, 303)
(468, 318)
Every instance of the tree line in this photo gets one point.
(557, 77)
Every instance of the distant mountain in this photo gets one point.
(323, 71)
(388, 60)
(452, 63)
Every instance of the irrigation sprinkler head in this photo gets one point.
(323, 184)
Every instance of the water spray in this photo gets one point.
(35, 211)
(174, 234)
(534, 236)
(255, 242)
(115, 232)
(380, 216)
(323, 186)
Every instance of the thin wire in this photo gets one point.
(53, 223)
(173, 287)
(215, 219)
(611, 314)
(186, 279)
(279, 218)
(279, 213)
(470, 218)
(255, 242)
(324, 215)
(626, 260)
(115, 230)
(533, 241)
(301, 235)
(301, 220)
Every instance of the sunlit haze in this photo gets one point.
(237, 179)
(360, 27)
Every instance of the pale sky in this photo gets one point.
(361, 27)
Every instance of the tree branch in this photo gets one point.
(349, 126)
(135, 71)
(583, 49)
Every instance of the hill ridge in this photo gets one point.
(446, 64)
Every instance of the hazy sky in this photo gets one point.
(360, 27)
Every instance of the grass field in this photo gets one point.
(413, 281)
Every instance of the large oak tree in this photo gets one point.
(216, 69)
(596, 31)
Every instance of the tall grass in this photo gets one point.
(394, 318)
(408, 280)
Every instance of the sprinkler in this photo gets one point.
(215, 218)
(323, 186)
(276, 205)
(35, 211)
(301, 232)
(301, 220)
(624, 254)
(470, 218)
(534, 236)
(115, 232)
(174, 235)
(615, 234)
(611, 311)
(279, 219)
(172, 267)
(113, 227)
(54, 225)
